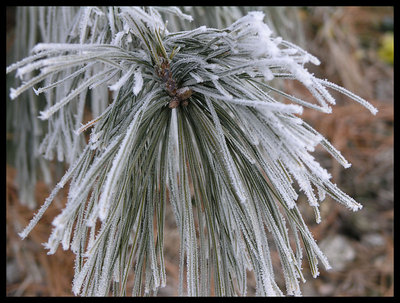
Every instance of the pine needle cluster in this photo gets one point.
(188, 119)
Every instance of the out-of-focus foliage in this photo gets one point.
(386, 50)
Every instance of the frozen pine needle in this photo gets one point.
(187, 119)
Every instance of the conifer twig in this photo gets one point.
(195, 123)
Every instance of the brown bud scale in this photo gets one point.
(179, 95)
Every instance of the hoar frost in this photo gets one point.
(226, 162)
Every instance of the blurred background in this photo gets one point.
(355, 47)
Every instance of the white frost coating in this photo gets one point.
(120, 160)
(80, 277)
(52, 47)
(253, 34)
(257, 35)
(44, 115)
(308, 56)
(182, 90)
(152, 21)
(262, 251)
(196, 77)
(117, 38)
(90, 174)
(279, 107)
(84, 23)
(175, 10)
(51, 197)
(268, 75)
(104, 280)
(222, 90)
(227, 156)
(26, 61)
(329, 147)
(111, 21)
(138, 82)
(275, 107)
(13, 93)
(321, 194)
(116, 86)
(94, 139)
(70, 76)
(344, 91)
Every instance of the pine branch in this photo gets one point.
(192, 108)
